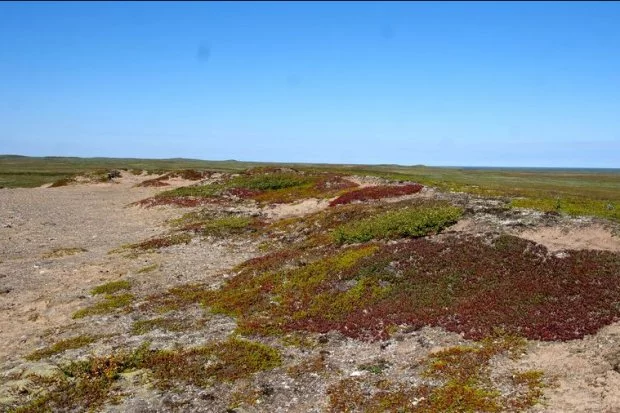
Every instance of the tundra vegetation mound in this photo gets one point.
(377, 264)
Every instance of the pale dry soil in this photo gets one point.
(39, 293)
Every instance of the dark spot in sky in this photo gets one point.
(204, 52)
(387, 32)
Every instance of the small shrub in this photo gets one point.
(63, 182)
(228, 361)
(407, 222)
(63, 345)
(110, 304)
(161, 242)
(167, 324)
(176, 298)
(111, 287)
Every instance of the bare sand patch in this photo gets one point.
(590, 237)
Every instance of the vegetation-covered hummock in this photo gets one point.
(264, 185)
(362, 291)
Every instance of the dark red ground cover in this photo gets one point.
(463, 284)
(376, 192)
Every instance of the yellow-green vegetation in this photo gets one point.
(167, 324)
(87, 385)
(299, 293)
(218, 225)
(572, 206)
(63, 252)
(407, 222)
(176, 298)
(110, 304)
(458, 379)
(147, 268)
(111, 287)
(226, 225)
(63, 345)
(228, 361)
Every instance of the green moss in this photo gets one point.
(110, 304)
(407, 222)
(111, 287)
(63, 345)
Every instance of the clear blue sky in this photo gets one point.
(496, 84)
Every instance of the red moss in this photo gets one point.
(376, 192)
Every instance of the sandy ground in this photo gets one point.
(38, 294)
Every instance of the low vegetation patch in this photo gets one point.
(63, 252)
(166, 324)
(63, 182)
(364, 291)
(218, 224)
(376, 192)
(111, 287)
(110, 304)
(457, 380)
(160, 242)
(155, 182)
(407, 222)
(61, 346)
(571, 206)
(87, 385)
(176, 298)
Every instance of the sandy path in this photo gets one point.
(39, 293)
